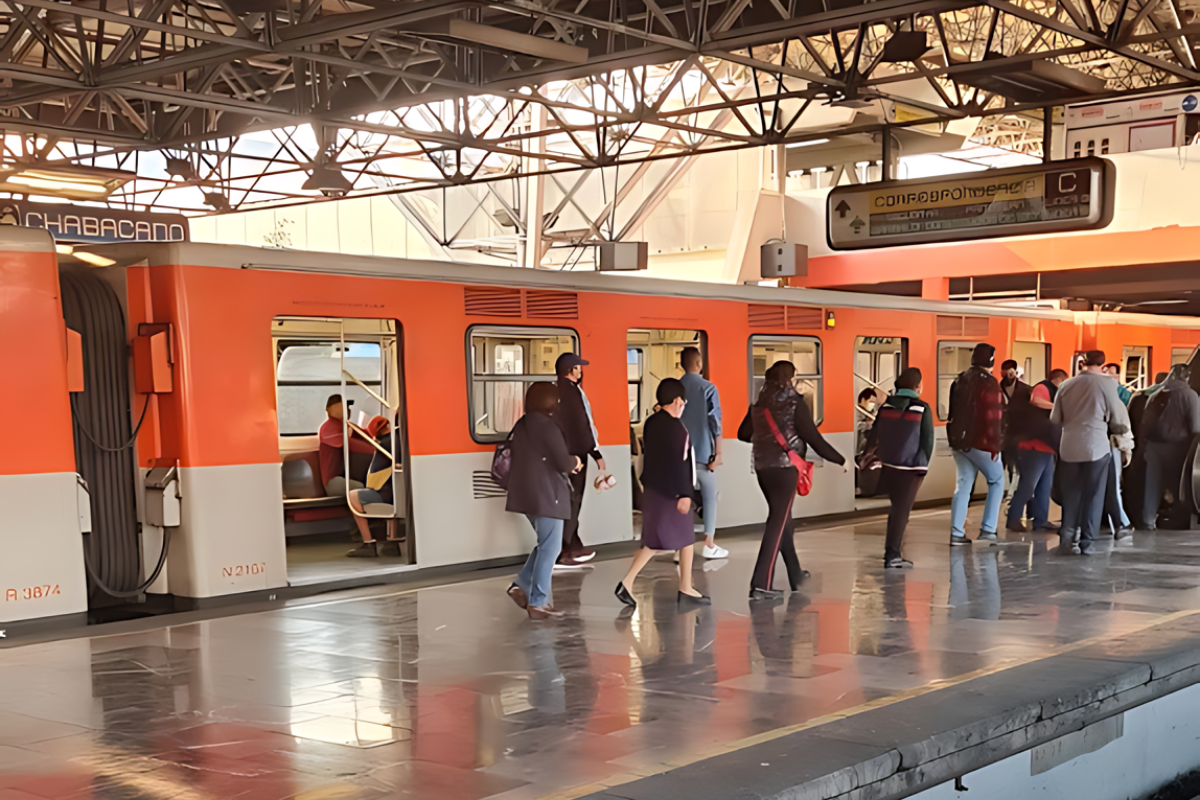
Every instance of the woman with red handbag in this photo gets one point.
(783, 432)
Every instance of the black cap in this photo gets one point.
(984, 355)
(567, 362)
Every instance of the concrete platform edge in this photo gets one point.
(914, 744)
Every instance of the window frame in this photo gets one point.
(767, 338)
(516, 331)
(938, 373)
(283, 343)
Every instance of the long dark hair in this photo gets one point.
(541, 397)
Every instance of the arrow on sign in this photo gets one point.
(842, 208)
(858, 225)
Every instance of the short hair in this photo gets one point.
(1115, 366)
(984, 355)
(1057, 373)
(1094, 358)
(1007, 365)
(909, 379)
(866, 394)
(781, 372)
(541, 397)
(1161, 377)
(689, 357)
(669, 390)
(334, 400)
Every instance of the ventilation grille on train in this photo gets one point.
(485, 486)
(790, 317)
(495, 301)
(973, 327)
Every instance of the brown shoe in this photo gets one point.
(544, 612)
(518, 596)
(1016, 527)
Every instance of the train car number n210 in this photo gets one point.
(32, 592)
(244, 569)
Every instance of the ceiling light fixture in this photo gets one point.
(328, 180)
(63, 180)
(809, 143)
(94, 259)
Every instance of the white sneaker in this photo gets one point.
(716, 551)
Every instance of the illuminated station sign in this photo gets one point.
(1060, 196)
(72, 224)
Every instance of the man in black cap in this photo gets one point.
(973, 431)
(574, 416)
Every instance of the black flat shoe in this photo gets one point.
(804, 575)
(764, 594)
(702, 600)
(364, 550)
(624, 596)
(897, 563)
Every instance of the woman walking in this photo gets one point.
(903, 436)
(668, 478)
(782, 423)
(538, 488)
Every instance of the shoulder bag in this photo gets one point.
(502, 461)
(804, 468)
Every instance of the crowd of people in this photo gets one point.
(1064, 438)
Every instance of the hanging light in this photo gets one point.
(68, 181)
(328, 180)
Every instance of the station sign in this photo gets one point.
(73, 224)
(1060, 196)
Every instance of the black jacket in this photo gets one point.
(572, 417)
(795, 423)
(537, 480)
(667, 465)
(903, 433)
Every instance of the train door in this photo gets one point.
(1033, 361)
(650, 356)
(1135, 367)
(877, 362)
(336, 499)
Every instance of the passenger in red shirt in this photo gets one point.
(333, 462)
(1037, 442)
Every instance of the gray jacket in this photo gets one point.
(1090, 411)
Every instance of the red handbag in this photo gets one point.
(804, 480)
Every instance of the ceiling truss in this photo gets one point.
(245, 96)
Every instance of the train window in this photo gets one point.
(1078, 149)
(634, 357)
(1181, 355)
(804, 352)
(1104, 147)
(307, 372)
(503, 363)
(953, 358)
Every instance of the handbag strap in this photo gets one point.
(795, 458)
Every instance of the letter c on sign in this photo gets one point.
(1063, 180)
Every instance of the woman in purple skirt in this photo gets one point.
(668, 478)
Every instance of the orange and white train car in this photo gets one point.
(221, 357)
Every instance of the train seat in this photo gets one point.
(302, 483)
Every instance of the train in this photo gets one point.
(163, 402)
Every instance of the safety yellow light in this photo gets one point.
(830, 320)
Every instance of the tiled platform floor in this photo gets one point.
(450, 693)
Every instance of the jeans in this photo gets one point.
(534, 578)
(968, 464)
(337, 486)
(1036, 471)
(902, 486)
(1164, 469)
(571, 543)
(1114, 505)
(708, 499)
(778, 485)
(1083, 484)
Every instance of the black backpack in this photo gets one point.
(1152, 416)
(960, 430)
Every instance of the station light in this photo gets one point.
(68, 181)
(830, 320)
(328, 180)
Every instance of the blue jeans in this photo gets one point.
(1036, 471)
(534, 578)
(708, 499)
(968, 465)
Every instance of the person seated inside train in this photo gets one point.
(378, 492)
(333, 462)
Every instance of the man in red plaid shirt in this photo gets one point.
(974, 432)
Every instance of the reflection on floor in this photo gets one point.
(313, 560)
(452, 693)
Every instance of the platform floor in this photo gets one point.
(450, 693)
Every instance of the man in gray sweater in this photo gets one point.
(1090, 411)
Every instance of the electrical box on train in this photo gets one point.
(783, 260)
(623, 256)
(153, 360)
